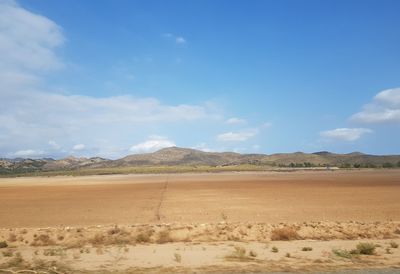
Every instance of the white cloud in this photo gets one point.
(79, 147)
(28, 153)
(203, 147)
(153, 144)
(180, 40)
(384, 108)
(266, 125)
(345, 134)
(27, 40)
(237, 136)
(235, 121)
(54, 145)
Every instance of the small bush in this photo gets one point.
(284, 234)
(3, 244)
(274, 249)
(364, 249)
(342, 253)
(53, 252)
(306, 248)
(287, 255)
(394, 245)
(43, 240)
(8, 253)
(98, 239)
(17, 261)
(239, 252)
(178, 257)
(144, 237)
(253, 254)
(164, 237)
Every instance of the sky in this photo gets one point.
(113, 78)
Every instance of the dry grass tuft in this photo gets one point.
(239, 254)
(144, 236)
(306, 248)
(177, 257)
(3, 244)
(284, 234)
(164, 237)
(274, 249)
(364, 249)
(43, 240)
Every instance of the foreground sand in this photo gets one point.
(226, 222)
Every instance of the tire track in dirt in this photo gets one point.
(158, 209)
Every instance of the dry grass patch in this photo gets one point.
(3, 244)
(239, 254)
(164, 237)
(274, 249)
(364, 249)
(177, 257)
(306, 248)
(144, 236)
(284, 234)
(43, 240)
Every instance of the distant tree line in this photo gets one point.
(343, 165)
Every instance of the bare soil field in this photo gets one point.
(269, 197)
(226, 222)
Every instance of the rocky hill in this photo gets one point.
(175, 156)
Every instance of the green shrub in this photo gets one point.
(364, 249)
(342, 253)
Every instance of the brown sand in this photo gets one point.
(269, 197)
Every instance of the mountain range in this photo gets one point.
(175, 156)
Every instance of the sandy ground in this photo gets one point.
(270, 197)
(199, 222)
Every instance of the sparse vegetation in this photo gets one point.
(239, 254)
(284, 234)
(361, 249)
(306, 248)
(8, 253)
(3, 244)
(342, 253)
(144, 237)
(394, 244)
(164, 237)
(224, 216)
(53, 252)
(274, 249)
(43, 240)
(177, 257)
(252, 253)
(364, 249)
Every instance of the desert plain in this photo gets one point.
(270, 221)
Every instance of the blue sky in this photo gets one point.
(111, 78)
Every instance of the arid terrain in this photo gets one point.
(254, 221)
